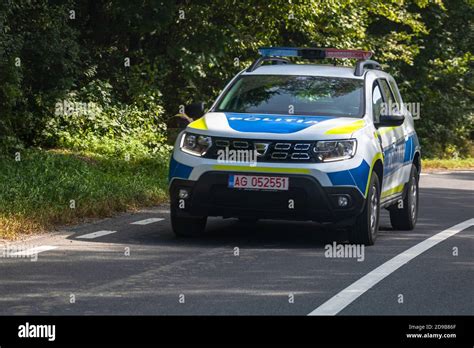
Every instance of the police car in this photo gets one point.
(295, 141)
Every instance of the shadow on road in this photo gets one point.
(438, 208)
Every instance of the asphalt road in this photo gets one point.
(280, 269)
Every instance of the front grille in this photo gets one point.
(300, 156)
(268, 150)
(279, 155)
(257, 200)
(282, 146)
(222, 143)
(241, 144)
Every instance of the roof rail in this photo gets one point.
(366, 64)
(262, 60)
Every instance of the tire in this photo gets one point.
(367, 223)
(187, 226)
(405, 218)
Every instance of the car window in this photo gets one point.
(391, 103)
(377, 101)
(386, 91)
(300, 95)
(396, 92)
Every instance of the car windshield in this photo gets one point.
(299, 95)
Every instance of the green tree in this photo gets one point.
(39, 61)
(441, 79)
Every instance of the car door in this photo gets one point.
(392, 138)
(408, 128)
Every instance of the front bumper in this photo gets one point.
(210, 196)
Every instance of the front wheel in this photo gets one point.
(403, 215)
(187, 226)
(367, 223)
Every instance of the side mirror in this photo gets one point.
(175, 125)
(195, 110)
(390, 121)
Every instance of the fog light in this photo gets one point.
(183, 194)
(342, 201)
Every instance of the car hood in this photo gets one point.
(261, 126)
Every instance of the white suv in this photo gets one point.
(299, 142)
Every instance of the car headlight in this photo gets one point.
(335, 150)
(195, 144)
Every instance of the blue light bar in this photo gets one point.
(313, 53)
(278, 51)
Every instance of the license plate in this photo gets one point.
(259, 182)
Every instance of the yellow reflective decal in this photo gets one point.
(198, 124)
(393, 191)
(385, 130)
(261, 169)
(347, 129)
(378, 156)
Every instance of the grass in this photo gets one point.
(448, 164)
(36, 193)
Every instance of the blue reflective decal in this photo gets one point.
(353, 177)
(282, 124)
(400, 155)
(415, 145)
(394, 157)
(342, 178)
(178, 170)
(409, 150)
(361, 175)
(231, 180)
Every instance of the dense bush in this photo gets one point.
(89, 121)
(39, 63)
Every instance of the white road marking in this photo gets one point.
(34, 251)
(147, 221)
(344, 298)
(422, 174)
(95, 234)
(154, 211)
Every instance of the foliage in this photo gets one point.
(183, 51)
(107, 128)
(450, 164)
(441, 79)
(39, 61)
